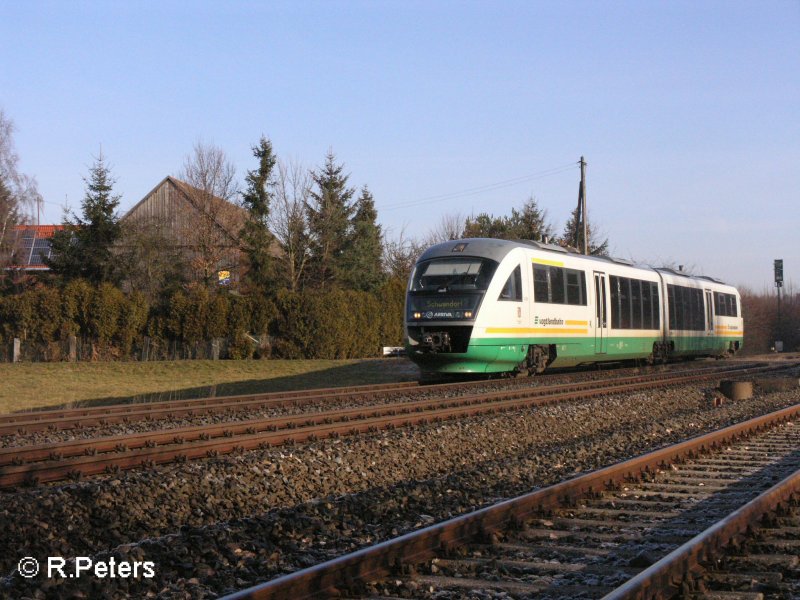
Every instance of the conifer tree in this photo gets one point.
(329, 212)
(256, 237)
(84, 247)
(596, 246)
(361, 267)
(530, 223)
(486, 226)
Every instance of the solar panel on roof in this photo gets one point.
(41, 250)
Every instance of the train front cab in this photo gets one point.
(444, 301)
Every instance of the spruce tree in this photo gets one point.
(255, 235)
(596, 247)
(329, 213)
(528, 224)
(361, 267)
(531, 222)
(84, 247)
(486, 226)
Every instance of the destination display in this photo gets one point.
(451, 308)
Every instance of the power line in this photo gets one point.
(483, 188)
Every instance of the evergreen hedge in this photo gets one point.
(110, 324)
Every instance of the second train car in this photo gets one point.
(498, 306)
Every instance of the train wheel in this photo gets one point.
(538, 358)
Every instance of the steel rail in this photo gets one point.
(55, 419)
(122, 457)
(663, 579)
(16, 455)
(39, 420)
(336, 576)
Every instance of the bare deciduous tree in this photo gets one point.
(19, 194)
(449, 227)
(400, 254)
(288, 220)
(212, 228)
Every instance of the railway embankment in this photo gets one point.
(221, 524)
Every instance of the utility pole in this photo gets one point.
(583, 207)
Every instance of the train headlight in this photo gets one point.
(468, 314)
(417, 315)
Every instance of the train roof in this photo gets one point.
(485, 247)
(496, 249)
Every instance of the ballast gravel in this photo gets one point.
(236, 413)
(214, 526)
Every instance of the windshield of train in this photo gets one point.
(453, 274)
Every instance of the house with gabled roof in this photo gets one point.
(204, 227)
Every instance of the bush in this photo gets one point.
(309, 324)
(330, 325)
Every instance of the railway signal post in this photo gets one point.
(778, 265)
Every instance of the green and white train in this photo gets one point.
(497, 306)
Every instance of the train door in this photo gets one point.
(600, 314)
(709, 314)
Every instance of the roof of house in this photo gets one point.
(32, 246)
(190, 194)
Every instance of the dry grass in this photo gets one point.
(37, 385)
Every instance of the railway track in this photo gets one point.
(60, 419)
(77, 458)
(639, 529)
(42, 420)
(762, 564)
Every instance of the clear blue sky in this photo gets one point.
(688, 113)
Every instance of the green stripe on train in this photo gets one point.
(496, 355)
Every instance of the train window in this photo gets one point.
(447, 274)
(686, 311)
(647, 306)
(698, 311)
(656, 306)
(584, 297)
(725, 305)
(685, 305)
(625, 302)
(512, 290)
(636, 304)
(576, 287)
(672, 306)
(541, 284)
(556, 285)
(615, 308)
